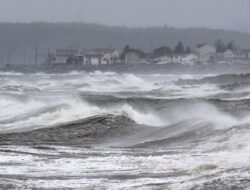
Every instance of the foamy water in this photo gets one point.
(122, 131)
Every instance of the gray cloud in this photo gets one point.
(226, 14)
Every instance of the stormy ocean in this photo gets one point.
(104, 130)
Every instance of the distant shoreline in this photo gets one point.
(123, 68)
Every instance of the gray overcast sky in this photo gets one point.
(226, 14)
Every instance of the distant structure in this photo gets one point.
(93, 58)
(186, 59)
(240, 54)
(190, 59)
(202, 54)
(64, 56)
(164, 60)
(235, 56)
(229, 54)
(109, 56)
(177, 59)
(205, 52)
(132, 57)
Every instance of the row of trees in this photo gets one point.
(128, 49)
(221, 46)
(180, 49)
(166, 50)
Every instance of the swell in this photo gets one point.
(183, 133)
(36, 113)
(177, 119)
(79, 132)
(219, 79)
(147, 111)
(231, 105)
(19, 88)
(114, 131)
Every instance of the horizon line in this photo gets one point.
(121, 26)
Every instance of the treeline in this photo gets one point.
(179, 49)
(128, 49)
(222, 46)
(26, 43)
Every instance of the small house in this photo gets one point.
(164, 60)
(205, 49)
(229, 54)
(177, 59)
(236, 54)
(205, 52)
(190, 59)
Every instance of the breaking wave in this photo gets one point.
(73, 120)
(184, 128)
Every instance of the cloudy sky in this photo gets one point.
(226, 14)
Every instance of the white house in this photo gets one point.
(237, 54)
(241, 54)
(132, 57)
(164, 60)
(205, 49)
(109, 55)
(205, 52)
(177, 59)
(190, 59)
(229, 54)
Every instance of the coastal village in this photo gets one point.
(201, 54)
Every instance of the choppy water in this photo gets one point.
(124, 131)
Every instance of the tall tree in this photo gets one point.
(162, 51)
(179, 49)
(231, 45)
(220, 46)
(125, 50)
